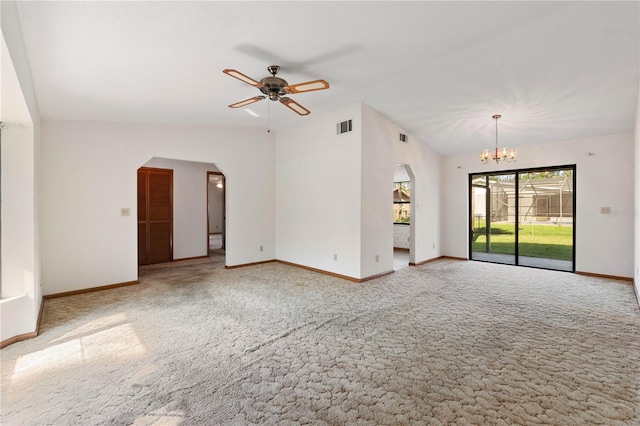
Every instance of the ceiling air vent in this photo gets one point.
(345, 126)
(403, 137)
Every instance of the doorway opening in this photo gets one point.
(403, 217)
(524, 217)
(188, 211)
(216, 218)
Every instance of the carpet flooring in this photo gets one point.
(450, 342)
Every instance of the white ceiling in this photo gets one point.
(440, 70)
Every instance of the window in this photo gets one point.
(402, 203)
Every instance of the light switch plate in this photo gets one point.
(125, 212)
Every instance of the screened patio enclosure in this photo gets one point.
(524, 217)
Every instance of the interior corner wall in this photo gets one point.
(378, 166)
(318, 180)
(604, 243)
(382, 151)
(89, 173)
(19, 312)
(190, 211)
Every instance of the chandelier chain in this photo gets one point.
(497, 135)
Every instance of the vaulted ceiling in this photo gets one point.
(440, 70)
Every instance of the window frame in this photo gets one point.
(403, 202)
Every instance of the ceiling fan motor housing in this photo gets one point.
(274, 87)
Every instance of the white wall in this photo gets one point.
(20, 283)
(334, 193)
(318, 193)
(89, 174)
(424, 164)
(379, 135)
(190, 185)
(604, 243)
(22, 293)
(381, 153)
(18, 211)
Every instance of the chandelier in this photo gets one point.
(505, 154)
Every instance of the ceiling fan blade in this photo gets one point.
(294, 106)
(247, 102)
(242, 77)
(309, 86)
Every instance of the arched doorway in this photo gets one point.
(403, 217)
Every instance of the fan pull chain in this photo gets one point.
(268, 116)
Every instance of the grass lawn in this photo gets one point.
(547, 241)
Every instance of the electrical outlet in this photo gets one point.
(261, 248)
(377, 258)
(335, 256)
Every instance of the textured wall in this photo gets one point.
(401, 236)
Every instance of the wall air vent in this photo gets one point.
(403, 137)
(345, 126)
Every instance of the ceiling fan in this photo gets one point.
(275, 88)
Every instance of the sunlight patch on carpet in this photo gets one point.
(115, 344)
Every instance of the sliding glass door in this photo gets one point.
(546, 218)
(494, 218)
(523, 217)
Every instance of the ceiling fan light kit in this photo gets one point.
(275, 88)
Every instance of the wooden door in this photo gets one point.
(155, 215)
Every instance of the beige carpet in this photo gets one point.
(445, 343)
